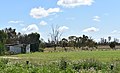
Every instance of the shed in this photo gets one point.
(17, 48)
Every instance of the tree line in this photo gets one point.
(10, 36)
(82, 42)
(73, 41)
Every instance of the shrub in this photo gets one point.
(2, 48)
(63, 64)
(112, 45)
(4, 61)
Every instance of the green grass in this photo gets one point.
(39, 57)
(63, 62)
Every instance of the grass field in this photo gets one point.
(63, 62)
(39, 57)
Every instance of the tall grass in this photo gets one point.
(62, 66)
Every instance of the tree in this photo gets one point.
(34, 41)
(42, 45)
(72, 41)
(116, 40)
(77, 42)
(64, 43)
(91, 43)
(12, 35)
(80, 42)
(112, 45)
(55, 36)
(3, 36)
(23, 39)
(84, 40)
(2, 49)
(109, 38)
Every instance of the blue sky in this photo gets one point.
(95, 18)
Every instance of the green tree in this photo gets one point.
(12, 35)
(84, 40)
(42, 45)
(64, 43)
(3, 36)
(109, 38)
(23, 39)
(2, 49)
(72, 41)
(34, 41)
(112, 45)
(91, 43)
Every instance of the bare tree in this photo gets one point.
(55, 36)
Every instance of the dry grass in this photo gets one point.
(108, 47)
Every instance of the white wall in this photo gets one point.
(15, 48)
(28, 48)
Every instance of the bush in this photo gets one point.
(112, 45)
(63, 64)
(2, 49)
(4, 61)
(41, 50)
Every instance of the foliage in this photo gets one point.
(42, 45)
(64, 43)
(112, 45)
(3, 36)
(75, 42)
(12, 35)
(2, 49)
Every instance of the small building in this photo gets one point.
(18, 48)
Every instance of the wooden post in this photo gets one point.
(27, 62)
(112, 66)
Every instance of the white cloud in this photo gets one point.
(31, 28)
(63, 28)
(96, 18)
(53, 10)
(91, 29)
(74, 3)
(41, 12)
(15, 22)
(43, 23)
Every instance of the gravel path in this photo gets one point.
(10, 57)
